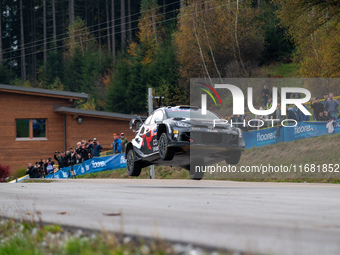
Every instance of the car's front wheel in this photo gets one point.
(233, 157)
(165, 152)
(133, 167)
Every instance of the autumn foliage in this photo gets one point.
(218, 39)
(315, 28)
(4, 173)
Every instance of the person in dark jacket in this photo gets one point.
(61, 158)
(97, 148)
(90, 148)
(332, 106)
(124, 142)
(317, 107)
(291, 114)
(326, 116)
(277, 114)
(85, 153)
(265, 95)
(72, 158)
(30, 170)
(237, 121)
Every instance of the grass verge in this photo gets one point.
(317, 150)
(280, 70)
(37, 181)
(27, 237)
(35, 238)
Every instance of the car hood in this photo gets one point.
(206, 123)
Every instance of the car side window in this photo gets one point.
(142, 130)
(157, 116)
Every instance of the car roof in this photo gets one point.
(180, 107)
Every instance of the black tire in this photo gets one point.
(194, 174)
(164, 151)
(233, 157)
(133, 167)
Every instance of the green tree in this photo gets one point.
(277, 45)
(5, 75)
(149, 63)
(52, 69)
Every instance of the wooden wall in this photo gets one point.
(93, 127)
(14, 106)
(19, 153)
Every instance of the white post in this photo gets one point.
(150, 109)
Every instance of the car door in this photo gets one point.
(150, 143)
(146, 137)
(157, 116)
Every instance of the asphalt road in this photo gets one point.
(271, 218)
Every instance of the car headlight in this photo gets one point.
(182, 124)
(239, 132)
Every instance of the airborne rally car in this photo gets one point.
(182, 136)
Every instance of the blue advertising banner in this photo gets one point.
(302, 130)
(310, 129)
(337, 127)
(263, 137)
(92, 165)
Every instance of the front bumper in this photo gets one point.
(205, 140)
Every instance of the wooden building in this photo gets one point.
(36, 122)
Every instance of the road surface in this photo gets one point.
(271, 218)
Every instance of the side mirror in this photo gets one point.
(132, 122)
(137, 121)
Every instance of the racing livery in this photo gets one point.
(182, 136)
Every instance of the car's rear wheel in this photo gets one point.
(165, 152)
(233, 157)
(196, 168)
(133, 167)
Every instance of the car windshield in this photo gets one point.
(190, 113)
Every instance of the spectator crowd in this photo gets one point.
(84, 150)
(324, 110)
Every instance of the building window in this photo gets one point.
(23, 130)
(39, 128)
(31, 129)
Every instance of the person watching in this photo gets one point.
(265, 95)
(124, 142)
(317, 107)
(49, 166)
(332, 106)
(60, 157)
(325, 97)
(116, 144)
(97, 148)
(29, 170)
(90, 148)
(85, 153)
(326, 116)
(269, 104)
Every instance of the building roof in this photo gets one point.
(98, 114)
(42, 92)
